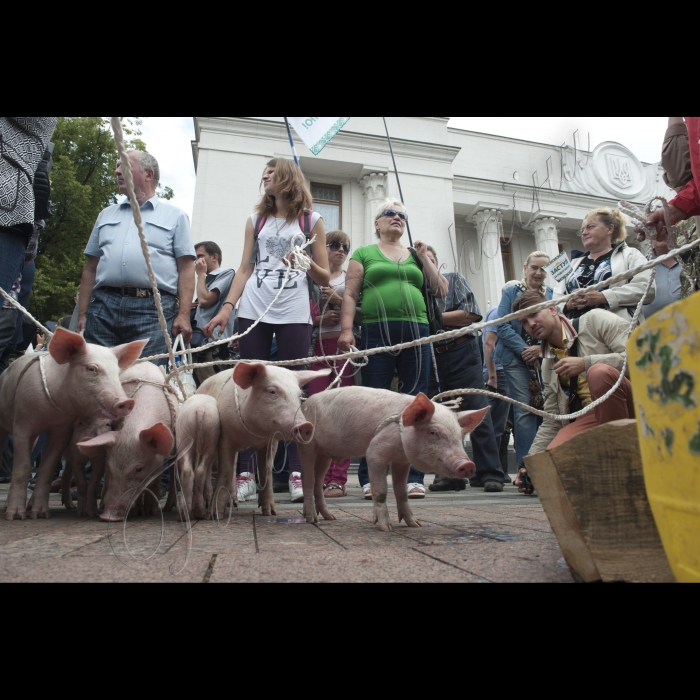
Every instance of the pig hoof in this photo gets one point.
(311, 520)
(384, 528)
(326, 515)
(17, 514)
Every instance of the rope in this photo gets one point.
(475, 327)
(20, 308)
(136, 209)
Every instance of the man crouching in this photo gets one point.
(580, 363)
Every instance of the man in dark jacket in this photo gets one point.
(23, 142)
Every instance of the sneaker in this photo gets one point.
(416, 492)
(442, 485)
(493, 487)
(296, 490)
(367, 492)
(246, 487)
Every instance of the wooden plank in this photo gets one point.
(602, 476)
(550, 489)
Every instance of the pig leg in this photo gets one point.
(399, 475)
(208, 486)
(309, 458)
(380, 488)
(188, 485)
(323, 464)
(56, 445)
(91, 509)
(171, 503)
(266, 498)
(225, 491)
(151, 505)
(66, 480)
(21, 473)
(202, 477)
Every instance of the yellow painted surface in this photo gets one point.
(665, 366)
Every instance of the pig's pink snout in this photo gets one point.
(466, 471)
(124, 408)
(304, 431)
(111, 516)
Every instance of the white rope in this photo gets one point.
(42, 365)
(20, 308)
(475, 327)
(136, 209)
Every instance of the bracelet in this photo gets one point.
(228, 303)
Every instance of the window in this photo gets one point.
(328, 202)
(507, 255)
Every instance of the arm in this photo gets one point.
(185, 290)
(437, 282)
(489, 349)
(460, 319)
(630, 294)
(87, 286)
(320, 271)
(353, 291)
(506, 332)
(245, 271)
(206, 298)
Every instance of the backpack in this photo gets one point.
(306, 227)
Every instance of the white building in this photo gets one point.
(484, 202)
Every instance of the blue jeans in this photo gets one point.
(526, 424)
(413, 367)
(500, 410)
(115, 320)
(12, 250)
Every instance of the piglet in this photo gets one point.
(76, 463)
(270, 401)
(386, 428)
(80, 380)
(198, 433)
(135, 452)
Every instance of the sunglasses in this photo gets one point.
(390, 214)
(337, 246)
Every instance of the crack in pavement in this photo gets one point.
(453, 566)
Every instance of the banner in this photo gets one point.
(317, 132)
(560, 268)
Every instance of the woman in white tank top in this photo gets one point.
(260, 277)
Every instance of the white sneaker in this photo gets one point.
(246, 487)
(296, 490)
(416, 492)
(367, 492)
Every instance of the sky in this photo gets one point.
(170, 140)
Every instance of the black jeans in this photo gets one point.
(462, 368)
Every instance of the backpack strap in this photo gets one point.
(305, 223)
(259, 226)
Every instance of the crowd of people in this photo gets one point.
(378, 296)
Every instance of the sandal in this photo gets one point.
(334, 491)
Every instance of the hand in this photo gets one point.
(40, 341)
(200, 266)
(82, 323)
(576, 304)
(570, 367)
(330, 318)
(594, 299)
(346, 340)
(531, 355)
(421, 248)
(658, 221)
(219, 321)
(493, 384)
(183, 327)
(520, 483)
(330, 296)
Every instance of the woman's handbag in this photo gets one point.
(435, 321)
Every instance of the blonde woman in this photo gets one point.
(604, 236)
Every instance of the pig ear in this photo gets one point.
(246, 375)
(305, 378)
(471, 420)
(128, 354)
(159, 439)
(91, 448)
(66, 347)
(422, 409)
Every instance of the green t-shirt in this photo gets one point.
(391, 291)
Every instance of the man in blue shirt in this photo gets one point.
(116, 300)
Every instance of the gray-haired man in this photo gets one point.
(116, 300)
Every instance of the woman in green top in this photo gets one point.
(390, 283)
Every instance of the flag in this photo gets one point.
(317, 132)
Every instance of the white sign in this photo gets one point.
(317, 132)
(560, 268)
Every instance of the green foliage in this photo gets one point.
(83, 184)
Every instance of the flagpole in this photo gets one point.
(396, 170)
(291, 142)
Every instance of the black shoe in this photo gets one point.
(5, 481)
(473, 483)
(445, 485)
(493, 487)
(280, 487)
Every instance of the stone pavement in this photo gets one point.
(469, 537)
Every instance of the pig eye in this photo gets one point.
(139, 470)
(92, 369)
(272, 392)
(434, 433)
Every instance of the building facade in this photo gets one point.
(484, 202)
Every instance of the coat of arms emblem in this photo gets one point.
(620, 171)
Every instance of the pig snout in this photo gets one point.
(112, 516)
(123, 408)
(303, 432)
(466, 470)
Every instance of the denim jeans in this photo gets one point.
(500, 410)
(8, 322)
(526, 424)
(413, 367)
(12, 250)
(462, 368)
(115, 320)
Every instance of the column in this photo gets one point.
(489, 225)
(375, 190)
(547, 236)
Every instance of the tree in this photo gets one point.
(83, 184)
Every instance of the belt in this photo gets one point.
(135, 292)
(442, 349)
